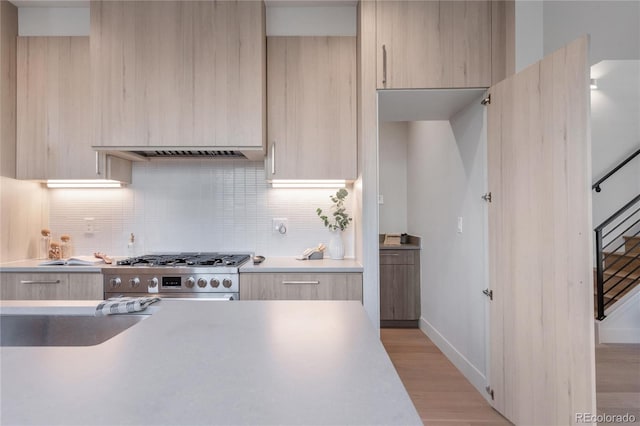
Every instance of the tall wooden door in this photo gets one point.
(542, 368)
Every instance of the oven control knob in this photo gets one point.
(134, 282)
(202, 283)
(153, 282)
(115, 282)
(215, 283)
(226, 283)
(190, 282)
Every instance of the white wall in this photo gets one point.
(194, 205)
(528, 32)
(545, 26)
(49, 21)
(614, 27)
(615, 131)
(622, 324)
(393, 176)
(311, 21)
(446, 177)
(281, 20)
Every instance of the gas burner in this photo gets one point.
(186, 259)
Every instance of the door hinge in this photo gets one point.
(487, 197)
(488, 293)
(486, 100)
(489, 391)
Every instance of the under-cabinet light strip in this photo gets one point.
(55, 183)
(308, 183)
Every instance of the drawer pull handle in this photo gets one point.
(301, 282)
(389, 254)
(39, 282)
(384, 66)
(273, 158)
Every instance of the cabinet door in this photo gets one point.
(8, 34)
(312, 108)
(33, 286)
(399, 284)
(178, 73)
(295, 286)
(53, 131)
(433, 44)
(86, 286)
(542, 367)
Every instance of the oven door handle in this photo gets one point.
(225, 297)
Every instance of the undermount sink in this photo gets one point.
(62, 330)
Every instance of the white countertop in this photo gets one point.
(244, 362)
(32, 265)
(271, 264)
(290, 264)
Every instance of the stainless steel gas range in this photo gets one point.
(194, 276)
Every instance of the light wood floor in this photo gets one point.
(444, 397)
(438, 390)
(618, 379)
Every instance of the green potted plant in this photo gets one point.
(337, 221)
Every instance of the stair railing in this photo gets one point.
(612, 235)
(624, 162)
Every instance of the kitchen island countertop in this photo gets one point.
(245, 362)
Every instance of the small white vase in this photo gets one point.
(336, 246)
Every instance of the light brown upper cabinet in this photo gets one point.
(312, 108)
(8, 34)
(433, 44)
(179, 74)
(53, 113)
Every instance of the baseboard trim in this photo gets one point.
(468, 370)
(618, 335)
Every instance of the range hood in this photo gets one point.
(164, 153)
(144, 153)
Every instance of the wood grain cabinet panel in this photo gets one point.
(53, 113)
(312, 108)
(178, 73)
(296, 286)
(34, 286)
(433, 44)
(8, 35)
(50, 286)
(86, 286)
(399, 287)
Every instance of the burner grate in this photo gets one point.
(186, 259)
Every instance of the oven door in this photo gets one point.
(200, 297)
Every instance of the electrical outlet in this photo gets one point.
(89, 225)
(280, 225)
(380, 199)
(460, 224)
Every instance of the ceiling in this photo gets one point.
(430, 104)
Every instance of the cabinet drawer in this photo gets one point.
(34, 286)
(300, 286)
(397, 257)
(86, 286)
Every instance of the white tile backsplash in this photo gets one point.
(194, 205)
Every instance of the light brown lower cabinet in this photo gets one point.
(399, 288)
(50, 286)
(301, 286)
